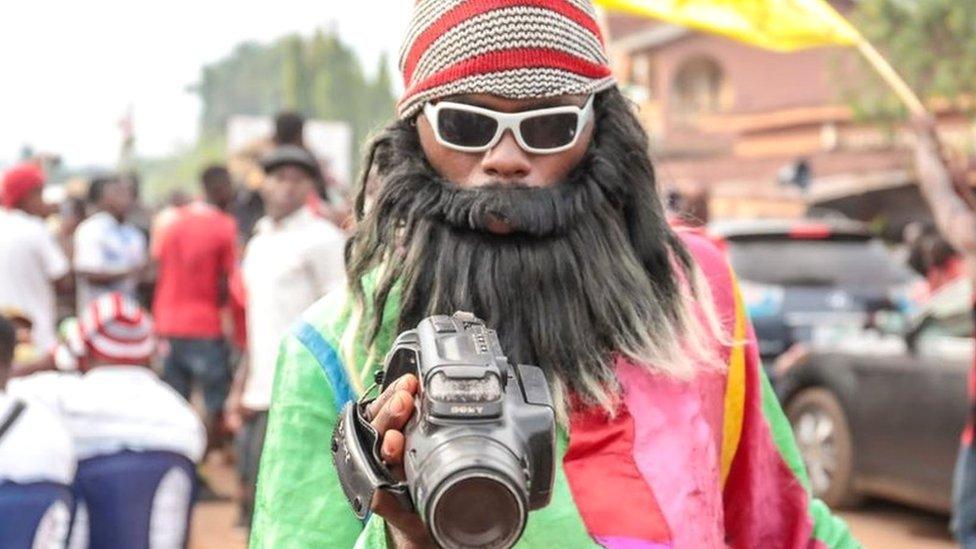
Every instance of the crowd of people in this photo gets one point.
(164, 348)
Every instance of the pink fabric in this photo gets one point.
(677, 448)
(616, 542)
(762, 504)
(678, 425)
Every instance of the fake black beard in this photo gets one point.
(587, 271)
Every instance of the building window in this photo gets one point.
(639, 87)
(642, 72)
(700, 88)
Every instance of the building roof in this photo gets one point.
(649, 38)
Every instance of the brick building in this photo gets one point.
(739, 121)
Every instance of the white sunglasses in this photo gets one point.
(467, 128)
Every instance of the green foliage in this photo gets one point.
(931, 43)
(181, 170)
(318, 76)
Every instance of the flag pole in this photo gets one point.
(915, 107)
(891, 77)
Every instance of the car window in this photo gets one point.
(817, 263)
(947, 337)
(957, 325)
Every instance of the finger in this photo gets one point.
(384, 504)
(387, 506)
(395, 413)
(373, 408)
(407, 383)
(392, 450)
(407, 522)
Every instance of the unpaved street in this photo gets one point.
(877, 524)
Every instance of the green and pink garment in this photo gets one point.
(698, 464)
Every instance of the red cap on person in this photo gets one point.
(18, 182)
(115, 329)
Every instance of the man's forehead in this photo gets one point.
(504, 104)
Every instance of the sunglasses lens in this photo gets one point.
(549, 131)
(465, 129)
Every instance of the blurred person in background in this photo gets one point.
(688, 209)
(110, 252)
(37, 464)
(949, 197)
(689, 206)
(26, 351)
(176, 200)
(326, 201)
(218, 187)
(289, 129)
(932, 256)
(248, 206)
(293, 259)
(32, 264)
(195, 254)
(118, 407)
(73, 211)
(117, 401)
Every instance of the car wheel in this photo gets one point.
(824, 438)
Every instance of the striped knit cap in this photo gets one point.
(518, 49)
(115, 329)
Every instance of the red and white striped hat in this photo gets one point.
(113, 328)
(518, 49)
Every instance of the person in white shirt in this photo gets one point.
(34, 449)
(118, 404)
(31, 262)
(110, 253)
(294, 258)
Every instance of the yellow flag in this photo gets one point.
(782, 25)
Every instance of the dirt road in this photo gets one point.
(876, 524)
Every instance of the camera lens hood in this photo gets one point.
(471, 493)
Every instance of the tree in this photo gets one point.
(381, 100)
(294, 75)
(318, 76)
(932, 43)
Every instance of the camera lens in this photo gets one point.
(479, 510)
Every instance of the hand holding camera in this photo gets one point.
(388, 414)
(458, 447)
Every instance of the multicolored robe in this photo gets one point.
(697, 464)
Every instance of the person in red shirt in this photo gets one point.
(196, 255)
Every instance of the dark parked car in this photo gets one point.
(882, 414)
(798, 275)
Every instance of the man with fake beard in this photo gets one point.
(516, 184)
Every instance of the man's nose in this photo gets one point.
(506, 161)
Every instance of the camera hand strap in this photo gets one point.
(356, 453)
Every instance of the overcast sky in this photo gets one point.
(69, 69)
